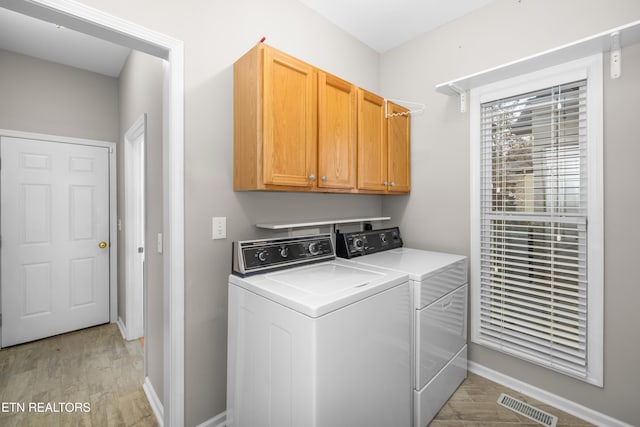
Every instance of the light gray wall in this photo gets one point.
(215, 34)
(436, 214)
(44, 97)
(140, 89)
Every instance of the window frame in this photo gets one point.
(589, 68)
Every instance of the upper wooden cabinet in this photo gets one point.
(372, 143)
(289, 120)
(298, 128)
(337, 131)
(399, 148)
(275, 127)
(383, 145)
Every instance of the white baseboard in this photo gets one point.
(123, 329)
(544, 396)
(219, 420)
(154, 401)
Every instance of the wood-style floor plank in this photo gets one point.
(474, 404)
(91, 377)
(98, 368)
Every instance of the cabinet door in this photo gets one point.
(289, 121)
(372, 147)
(399, 143)
(337, 132)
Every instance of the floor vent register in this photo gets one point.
(527, 410)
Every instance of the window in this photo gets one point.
(537, 261)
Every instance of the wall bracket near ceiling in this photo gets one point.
(615, 65)
(462, 94)
(414, 108)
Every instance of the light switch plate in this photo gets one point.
(219, 228)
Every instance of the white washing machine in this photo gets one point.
(438, 283)
(316, 341)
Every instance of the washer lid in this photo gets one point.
(318, 289)
(418, 263)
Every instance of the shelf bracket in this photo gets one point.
(462, 95)
(616, 56)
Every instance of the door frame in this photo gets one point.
(113, 202)
(135, 228)
(89, 20)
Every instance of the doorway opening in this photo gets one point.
(135, 214)
(85, 19)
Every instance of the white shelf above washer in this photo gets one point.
(628, 34)
(315, 223)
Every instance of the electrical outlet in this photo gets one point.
(219, 228)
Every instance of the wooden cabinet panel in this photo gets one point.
(247, 121)
(275, 127)
(399, 148)
(372, 148)
(289, 115)
(337, 132)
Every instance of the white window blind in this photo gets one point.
(533, 226)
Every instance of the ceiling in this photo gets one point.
(41, 39)
(385, 24)
(380, 24)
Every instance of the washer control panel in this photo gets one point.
(349, 245)
(256, 256)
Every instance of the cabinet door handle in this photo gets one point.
(312, 177)
(393, 184)
(385, 183)
(324, 178)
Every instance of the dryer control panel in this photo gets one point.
(349, 245)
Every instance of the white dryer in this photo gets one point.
(316, 341)
(439, 300)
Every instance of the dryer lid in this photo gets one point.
(418, 263)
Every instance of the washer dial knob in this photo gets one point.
(313, 248)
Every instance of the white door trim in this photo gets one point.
(91, 21)
(113, 203)
(134, 220)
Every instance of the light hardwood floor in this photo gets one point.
(474, 405)
(103, 373)
(91, 377)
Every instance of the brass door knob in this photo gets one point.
(103, 245)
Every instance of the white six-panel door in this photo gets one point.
(55, 235)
